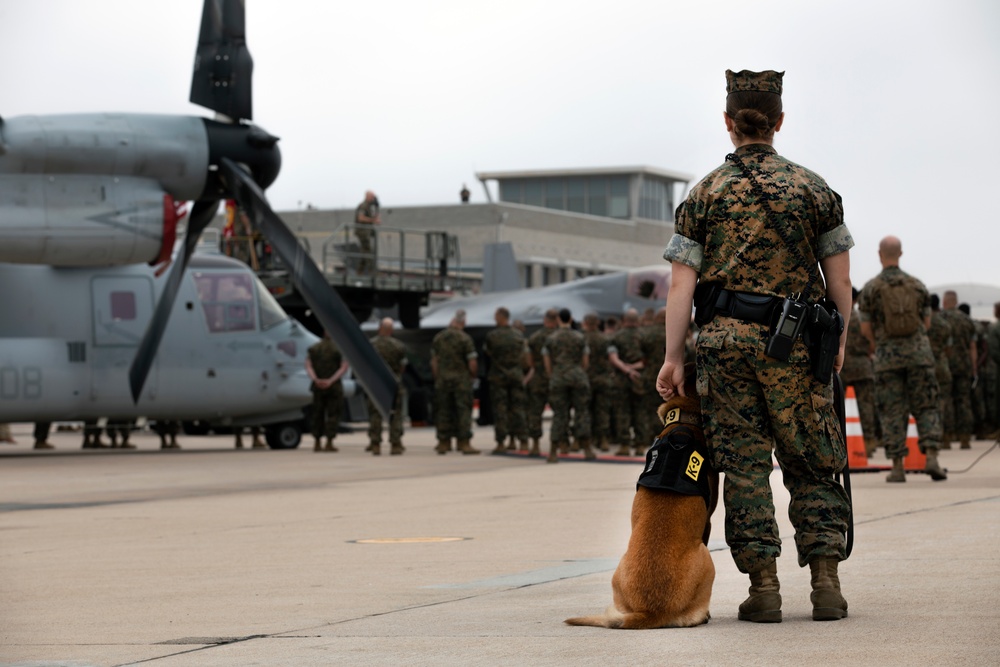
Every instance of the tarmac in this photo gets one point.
(211, 556)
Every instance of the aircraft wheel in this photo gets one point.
(286, 435)
(195, 428)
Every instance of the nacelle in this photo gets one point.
(83, 220)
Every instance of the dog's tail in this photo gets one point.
(611, 618)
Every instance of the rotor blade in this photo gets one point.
(201, 215)
(326, 304)
(223, 68)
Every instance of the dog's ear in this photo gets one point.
(661, 412)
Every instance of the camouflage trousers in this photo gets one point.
(510, 403)
(453, 410)
(753, 405)
(650, 425)
(395, 421)
(366, 236)
(946, 405)
(538, 396)
(600, 410)
(562, 399)
(327, 407)
(864, 394)
(627, 411)
(961, 400)
(904, 392)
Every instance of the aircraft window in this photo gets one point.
(270, 312)
(227, 299)
(123, 306)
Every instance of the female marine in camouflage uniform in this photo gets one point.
(767, 244)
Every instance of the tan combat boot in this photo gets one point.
(602, 444)
(536, 448)
(396, 449)
(933, 468)
(510, 444)
(965, 442)
(330, 447)
(318, 447)
(588, 449)
(897, 474)
(828, 603)
(499, 449)
(523, 445)
(376, 448)
(464, 447)
(764, 603)
(946, 441)
(624, 450)
(443, 446)
(871, 444)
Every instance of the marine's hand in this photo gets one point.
(670, 380)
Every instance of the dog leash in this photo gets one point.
(840, 408)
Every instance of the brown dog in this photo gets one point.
(665, 578)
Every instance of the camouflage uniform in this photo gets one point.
(653, 341)
(986, 375)
(328, 404)
(599, 375)
(993, 350)
(753, 404)
(963, 333)
(859, 373)
(453, 348)
(568, 386)
(939, 336)
(393, 353)
(538, 388)
(626, 408)
(506, 348)
(366, 234)
(905, 379)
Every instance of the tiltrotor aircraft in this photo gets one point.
(89, 205)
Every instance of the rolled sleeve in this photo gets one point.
(835, 241)
(682, 249)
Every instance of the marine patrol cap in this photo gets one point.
(767, 81)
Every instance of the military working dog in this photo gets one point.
(665, 578)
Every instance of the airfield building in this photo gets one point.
(560, 224)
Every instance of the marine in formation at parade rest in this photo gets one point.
(939, 335)
(454, 365)
(566, 357)
(993, 350)
(625, 355)
(538, 379)
(599, 374)
(326, 366)
(895, 313)
(752, 236)
(962, 363)
(507, 351)
(984, 382)
(393, 353)
(858, 372)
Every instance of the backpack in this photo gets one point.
(901, 307)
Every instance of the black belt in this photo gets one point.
(755, 308)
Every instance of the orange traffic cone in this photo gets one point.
(857, 456)
(914, 460)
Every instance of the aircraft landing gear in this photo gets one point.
(286, 435)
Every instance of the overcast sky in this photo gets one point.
(893, 102)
